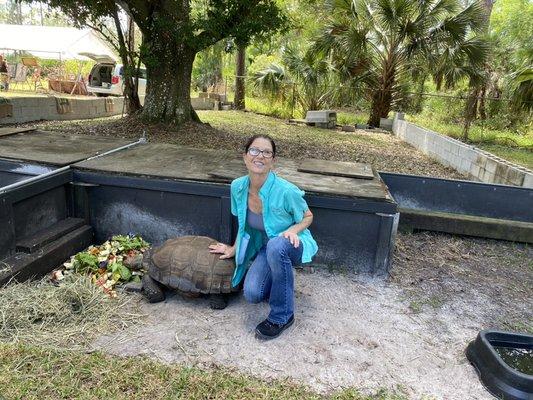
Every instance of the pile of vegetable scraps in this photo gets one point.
(116, 261)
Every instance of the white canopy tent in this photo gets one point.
(50, 42)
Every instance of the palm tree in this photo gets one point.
(306, 79)
(522, 89)
(381, 43)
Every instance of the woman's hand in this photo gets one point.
(224, 249)
(293, 237)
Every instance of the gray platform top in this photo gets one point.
(186, 163)
(10, 130)
(337, 168)
(54, 147)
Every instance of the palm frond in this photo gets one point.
(522, 92)
(271, 80)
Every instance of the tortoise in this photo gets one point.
(186, 265)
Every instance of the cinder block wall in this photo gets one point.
(476, 163)
(35, 108)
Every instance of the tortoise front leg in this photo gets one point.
(152, 289)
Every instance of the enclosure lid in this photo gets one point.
(54, 147)
(11, 130)
(185, 163)
(336, 168)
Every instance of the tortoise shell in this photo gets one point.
(185, 264)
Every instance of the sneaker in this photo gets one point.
(267, 330)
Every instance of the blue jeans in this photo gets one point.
(271, 277)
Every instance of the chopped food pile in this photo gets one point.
(116, 261)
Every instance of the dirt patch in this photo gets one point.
(490, 280)
(347, 333)
(352, 331)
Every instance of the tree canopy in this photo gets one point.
(385, 42)
(173, 33)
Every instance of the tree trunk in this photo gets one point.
(131, 34)
(381, 105)
(481, 107)
(470, 112)
(168, 93)
(487, 5)
(419, 99)
(19, 13)
(382, 96)
(239, 79)
(131, 95)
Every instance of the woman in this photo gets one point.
(273, 220)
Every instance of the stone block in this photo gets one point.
(475, 170)
(202, 103)
(489, 177)
(514, 176)
(6, 110)
(385, 123)
(528, 181)
(491, 165)
(465, 165)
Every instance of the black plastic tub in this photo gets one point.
(12, 171)
(500, 379)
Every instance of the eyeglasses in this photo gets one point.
(254, 151)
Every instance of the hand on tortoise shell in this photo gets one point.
(221, 248)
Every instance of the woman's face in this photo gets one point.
(259, 164)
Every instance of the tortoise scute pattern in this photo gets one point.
(185, 264)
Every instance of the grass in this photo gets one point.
(509, 145)
(417, 306)
(263, 106)
(518, 156)
(285, 111)
(351, 118)
(39, 373)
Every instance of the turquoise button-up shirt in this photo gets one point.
(283, 206)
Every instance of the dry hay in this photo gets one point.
(65, 315)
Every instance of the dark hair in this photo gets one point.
(251, 140)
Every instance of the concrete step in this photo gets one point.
(36, 241)
(470, 225)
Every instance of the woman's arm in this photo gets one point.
(292, 232)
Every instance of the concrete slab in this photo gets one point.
(337, 168)
(469, 225)
(8, 131)
(179, 162)
(55, 148)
